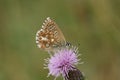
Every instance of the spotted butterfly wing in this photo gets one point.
(49, 36)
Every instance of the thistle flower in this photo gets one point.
(63, 61)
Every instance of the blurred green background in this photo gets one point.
(94, 24)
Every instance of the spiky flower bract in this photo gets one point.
(62, 61)
(75, 74)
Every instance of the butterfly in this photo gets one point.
(50, 36)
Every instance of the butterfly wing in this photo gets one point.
(49, 36)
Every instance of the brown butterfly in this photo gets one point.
(49, 36)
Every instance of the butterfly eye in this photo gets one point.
(68, 44)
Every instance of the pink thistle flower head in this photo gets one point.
(62, 61)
